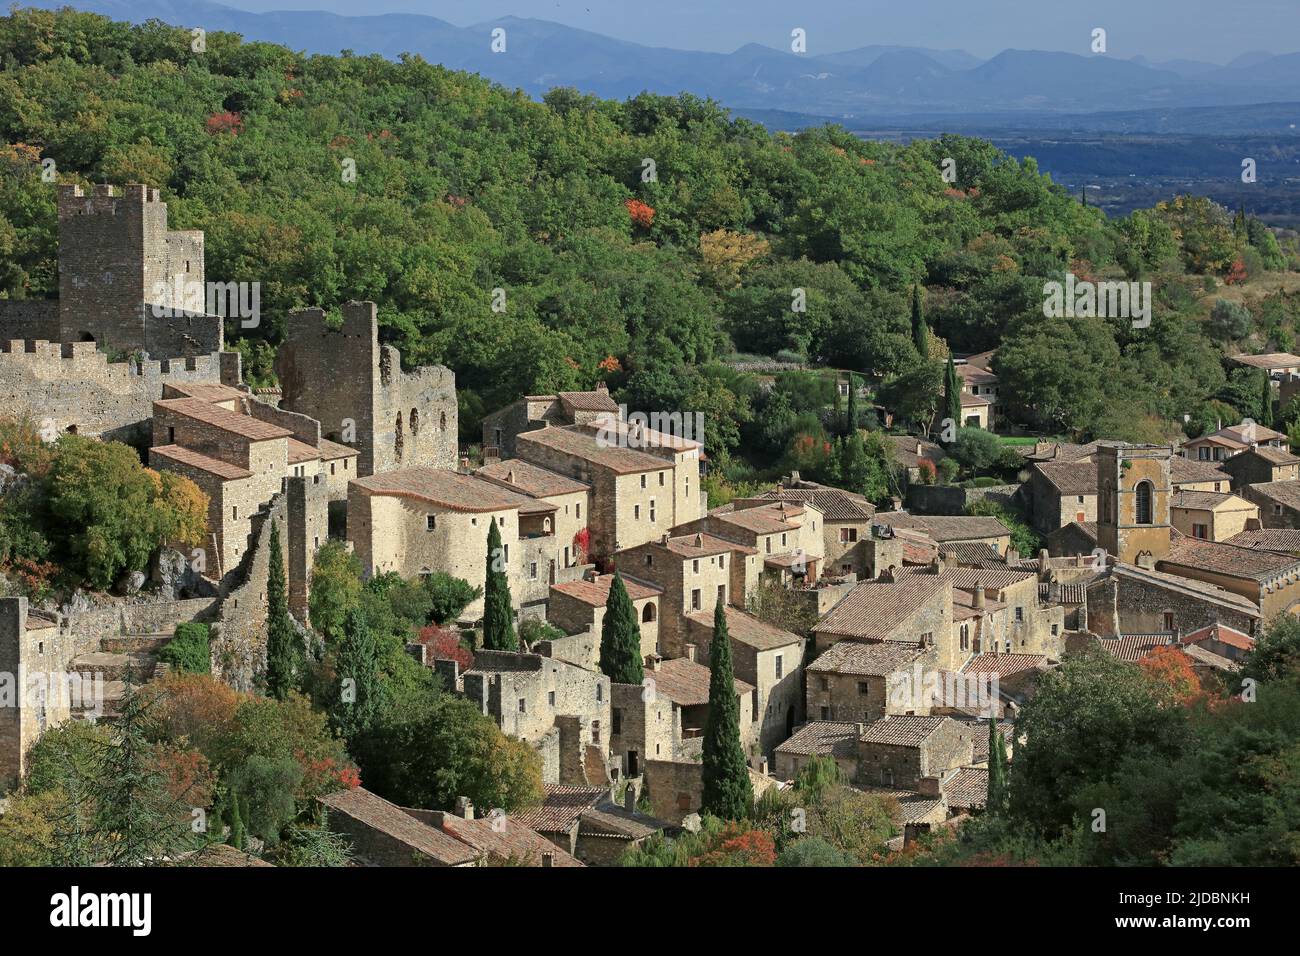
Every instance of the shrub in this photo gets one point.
(189, 650)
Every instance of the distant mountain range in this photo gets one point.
(860, 87)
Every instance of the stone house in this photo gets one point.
(383, 834)
(502, 427)
(1271, 581)
(1215, 516)
(768, 658)
(1278, 501)
(788, 537)
(419, 521)
(1061, 492)
(1186, 474)
(645, 725)
(1223, 641)
(1227, 442)
(848, 545)
(1072, 539)
(1261, 464)
(695, 572)
(980, 382)
(1280, 540)
(852, 680)
(976, 411)
(636, 496)
(684, 683)
(820, 738)
(585, 822)
(909, 452)
(577, 606)
(1029, 626)
(951, 529)
(566, 525)
(675, 788)
(497, 838)
(1127, 599)
(903, 750)
(561, 709)
(916, 609)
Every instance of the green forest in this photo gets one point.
(654, 244)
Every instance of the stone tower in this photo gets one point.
(1133, 490)
(115, 255)
(357, 390)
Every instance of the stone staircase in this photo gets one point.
(118, 654)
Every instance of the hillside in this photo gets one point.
(612, 268)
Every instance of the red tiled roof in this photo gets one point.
(686, 682)
(1281, 540)
(701, 545)
(1070, 477)
(1223, 634)
(585, 446)
(823, 737)
(596, 592)
(506, 839)
(834, 503)
(213, 466)
(331, 450)
(595, 401)
(529, 479)
(901, 730)
(747, 629)
(301, 451)
(560, 808)
(374, 811)
(874, 610)
(968, 788)
(766, 519)
(1186, 471)
(207, 392)
(943, 528)
(1227, 559)
(865, 660)
(245, 426)
(446, 489)
(1004, 665)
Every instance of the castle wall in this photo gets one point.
(361, 397)
(75, 386)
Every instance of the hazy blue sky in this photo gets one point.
(1213, 30)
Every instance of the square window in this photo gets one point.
(550, 698)
(523, 705)
(430, 522)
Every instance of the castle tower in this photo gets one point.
(1133, 490)
(356, 389)
(117, 259)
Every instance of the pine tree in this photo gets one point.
(138, 818)
(283, 648)
(498, 616)
(728, 793)
(952, 393)
(998, 796)
(620, 637)
(852, 419)
(920, 334)
(358, 702)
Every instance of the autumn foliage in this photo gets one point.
(444, 644)
(1174, 679)
(225, 122)
(739, 847)
(641, 214)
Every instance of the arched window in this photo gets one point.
(1142, 503)
(415, 422)
(648, 614)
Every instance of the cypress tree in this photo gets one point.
(998, 796)
(952, 393)
(728, 794)
(852, 418)
(620, 637)
(1266, 403)
(920, 334)
(283, 649)
(358, 661)
(498, 617)
(236, 822)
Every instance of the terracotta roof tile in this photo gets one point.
(1004, 665)
(560, 808)
(213, 466)
(874, 610)
(1186, 471)
(596, 591)
(968, 788)
(822, 737)
(374, 811)
(584, 445)
(834, 503)
(1227, 559)
(529, 479)
(1281, 540)
(856, 658)
(901, 730)
(686, 682)
(511, 841)
(236, 423)
(747, 629)
(595, 401)
(446, 489)
(944, 528)
(1070, 477)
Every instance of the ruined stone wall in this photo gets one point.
(358, 392)
(29, 319)
(75, 386)
(644, 725)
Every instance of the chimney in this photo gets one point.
(464, 808)
(629, 799)
(862, 729)
(762, 766)
(886, 575)
(548, 859)
(690, 652)
(664, 539)
(928, 786)
(510, 477)
(1252, 524)
(655, 661)
(699, 540)
(602, 387)
(794, 478)
(979, 596)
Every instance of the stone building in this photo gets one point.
(381, 833)
(1260, 464)
(1061, 492)
(695, 572)
(1029, 626)
(577, 606)
(1270, 580)
(915, 609)
(1127, 599)
(645, 726)
(1186, 474)
(1278, 501)
(848, 545)
(566, 524)
(788, 537)
(851, 681)
(501, 428)
(684, 682)
(1215, 516)
(636, 496)
(1228, 442)
(951, 529)
(561, 709)
(1133, 504)
(418, 521)
(342, 377)
(767, 657)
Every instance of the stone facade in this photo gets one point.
(356, 389)
(1133, 501)
(1132, 600)
(645, 727)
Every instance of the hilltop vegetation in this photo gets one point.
(606, 271)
